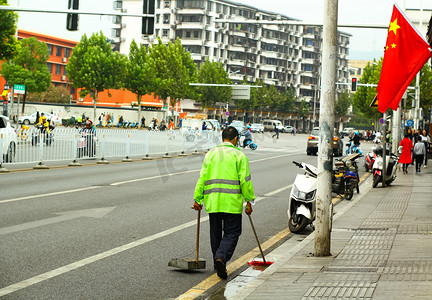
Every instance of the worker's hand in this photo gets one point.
(248, 208)
(196, 206)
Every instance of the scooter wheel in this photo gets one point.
(299, 226)
(253, 146)
(375, 182)
(349, 192)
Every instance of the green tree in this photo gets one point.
(274, 98)
(302, 109)
(175, 69)
(28, 67)
(140, 78)
(257, 95)
(288, 100)
(342, 104)
(56, 94)
(94, 67)
(426, 88)
(364, 95)
(8, 21)
(213, 73)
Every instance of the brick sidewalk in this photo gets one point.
(381, 248)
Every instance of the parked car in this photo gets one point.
(256, 127)
(313, 139)
(287, 129)
(31, 119)
(213, 124)
(9, 141)
(269, 125)
(347, 131)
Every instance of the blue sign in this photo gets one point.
(410, 122)
(382, 121)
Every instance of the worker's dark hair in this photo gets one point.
(229, 133)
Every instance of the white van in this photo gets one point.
(269, 125)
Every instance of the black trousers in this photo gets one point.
(418, 161)
(225, 230)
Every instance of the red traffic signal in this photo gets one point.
(354, 84)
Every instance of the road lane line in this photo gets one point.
(62, 270)
(50, 194)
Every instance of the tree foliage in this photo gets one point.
(8, 43)
(140, 78)
(174, 68)
(302, 109)
(342, 104)
(94, 67)
(426, 88)
(56, 94)
(214, 73)
(29, 67)
(365, 95)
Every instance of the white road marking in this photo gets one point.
(278, 191)
(75, 265)
(49, 194)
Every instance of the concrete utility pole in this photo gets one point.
(326, 123)
(396, 128)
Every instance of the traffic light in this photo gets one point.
(72, 19)
(354, 84)
(148, 22)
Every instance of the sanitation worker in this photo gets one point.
(224, 183)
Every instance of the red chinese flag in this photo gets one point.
(405, 54)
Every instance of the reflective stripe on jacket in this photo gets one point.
(224, 180)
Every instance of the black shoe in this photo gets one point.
(220, 269)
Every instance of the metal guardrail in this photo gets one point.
(72, 144)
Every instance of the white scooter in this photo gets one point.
(301, 209)
(377, 168)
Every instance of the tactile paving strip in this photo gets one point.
(407, 270)
(415, 229)
(355, 272)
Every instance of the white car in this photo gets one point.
(8, 138)
(257, 127)
(31, 119)
(288, 129)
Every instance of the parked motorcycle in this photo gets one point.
(345, 177)
(369, 160)
(391, 166)
(301, 208)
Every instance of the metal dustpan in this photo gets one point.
(190, 263)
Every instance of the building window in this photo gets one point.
(50, 49)
(167, 4)
(214, 52)
(165, 32)
(72, 90)
(57, 69)
(158, 3)
(157, 18)
(67, 52)
(188, 34)
(49, 65)
(58, 51)
(196, 34)
(166, 18)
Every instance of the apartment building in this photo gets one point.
(287, 56)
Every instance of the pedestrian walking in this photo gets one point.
(426, 140)
(143, 122)
(419, 153)
(405, 157)
(224, 183)
(276, 129)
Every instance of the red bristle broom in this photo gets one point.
(255, 262)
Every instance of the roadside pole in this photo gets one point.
(396, 129)
(384, 142)
(326, 123)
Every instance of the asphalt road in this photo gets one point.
(108, 231)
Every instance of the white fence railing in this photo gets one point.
(72, 144)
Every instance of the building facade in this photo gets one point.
(286, 56)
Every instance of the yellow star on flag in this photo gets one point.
(394, 26)
(393, 45)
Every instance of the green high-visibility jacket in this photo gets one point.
(224, 180)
